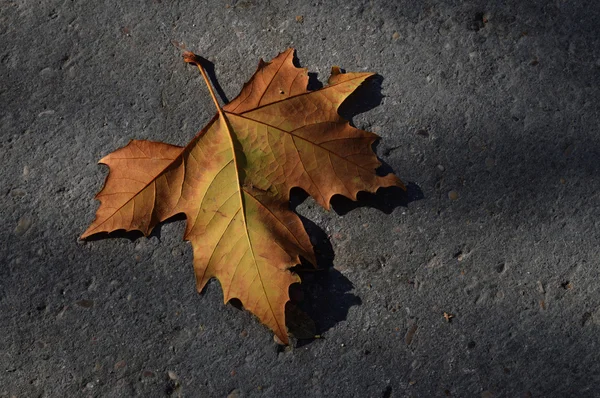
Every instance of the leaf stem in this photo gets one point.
(192, 58)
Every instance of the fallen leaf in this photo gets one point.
(232, 181)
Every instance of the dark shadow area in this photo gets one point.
(385, 199)
(324, 297)
(366, 97)
(210, 71)
(132, 236)
(313, 82)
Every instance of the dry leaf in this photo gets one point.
(232, 181)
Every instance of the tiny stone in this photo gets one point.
(120, 365)
(540, 287)
(440, 167)
(18, 193)
(453, 195)
(234, 394)
(395, 36)
(89, 385)
(299, 18)
(563, 181)
(172, 375)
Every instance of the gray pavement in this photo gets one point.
(489, 109)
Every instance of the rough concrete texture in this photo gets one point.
(490, 110)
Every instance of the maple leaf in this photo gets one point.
(233, 181)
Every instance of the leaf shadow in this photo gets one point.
(325, 296)
(133, 236)
(366, 97)
(385, 199)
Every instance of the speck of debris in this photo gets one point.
(410, 334)
(120, 365)
(148, 374)
(585, 318)
(236, 393)
(23, 225)
(172, 375)
(85, 303)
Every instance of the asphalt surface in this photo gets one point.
(490, 110)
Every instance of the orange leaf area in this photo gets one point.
(233, 181)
